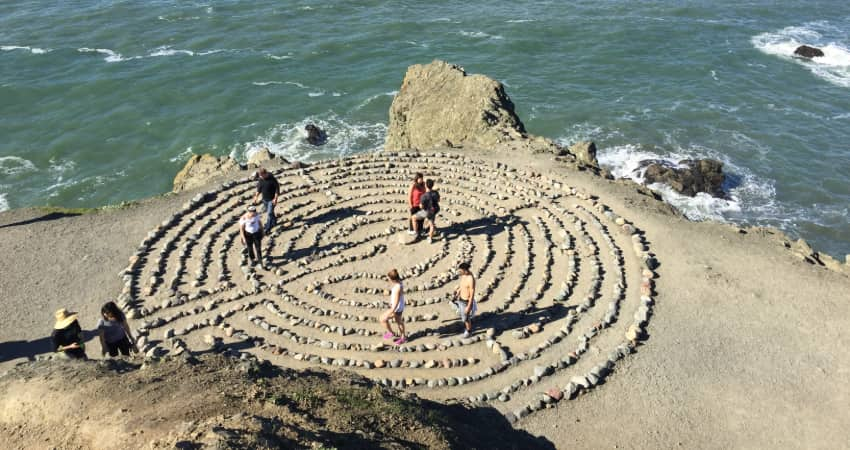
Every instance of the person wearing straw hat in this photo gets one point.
(67, 335)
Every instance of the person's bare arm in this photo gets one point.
(410, 196)
(242, 232)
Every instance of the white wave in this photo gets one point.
(343, 139)
(480, 35)
(33, 50)
(182, 156)
(316, 93)
(750, 194)
(375, 97)
(168, 51)
(266, 83)
(833, 66)
(337, 94)
(714, 75)
(278, 58)
(111, 55)
(295, 83)
(4, 202)
(15, 165)
(520, 20)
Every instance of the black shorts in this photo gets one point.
(414, 210)
(123, 345)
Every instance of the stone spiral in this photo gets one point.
(564, 284)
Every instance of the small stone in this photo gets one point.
(555, 393)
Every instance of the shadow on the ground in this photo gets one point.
(44, 218)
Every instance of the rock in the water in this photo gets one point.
(808, 52)
(315, 135)
(689, 177)
(200, 169)
(585, 153)
(439, 105)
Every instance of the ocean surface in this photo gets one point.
(103, 101)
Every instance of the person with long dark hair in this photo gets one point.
(115, 334)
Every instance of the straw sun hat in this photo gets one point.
(64, 318)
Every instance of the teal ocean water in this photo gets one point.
(103, 101)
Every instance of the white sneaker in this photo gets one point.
(465, 334)
(411, 232)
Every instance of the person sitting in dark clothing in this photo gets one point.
(67, 335)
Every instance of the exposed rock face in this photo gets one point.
(200, 168)
(585, 153)
(439, 105)
(691, 177)
(260, 156)
(808, 52)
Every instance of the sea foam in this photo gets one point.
(288, 139)
(747, 192)
(4, 202)
(15, 165)
(111, 55)
(833, 66)
(33, 50)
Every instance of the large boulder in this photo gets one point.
(585, 153)
(200, 169)
(440, 105)
(259, 157)
(689, 177)
(808, 52)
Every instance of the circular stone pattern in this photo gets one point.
(564, 284)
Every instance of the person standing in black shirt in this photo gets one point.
(268, 188)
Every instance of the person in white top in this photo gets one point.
(251, 231)
(396, 309)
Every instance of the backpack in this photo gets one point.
(431, 202)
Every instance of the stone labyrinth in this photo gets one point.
(564, 284)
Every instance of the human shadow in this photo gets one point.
(505, 321)
(24, 349)
(47, 217)
(29, 349)
(490, 225)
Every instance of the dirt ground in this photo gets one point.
(747, 347)
(218, 402)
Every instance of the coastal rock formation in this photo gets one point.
(690, 177)
(315, 135)
(440, 105)
(260, 156)
(808, 52)
(200, 168)
(585, 153)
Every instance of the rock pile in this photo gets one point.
(558, 273)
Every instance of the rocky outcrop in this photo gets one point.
(808, 52)
(315, 135)
(585, 153)
(259, 157)
(689, 177)
(200, 169)
(440, 105)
